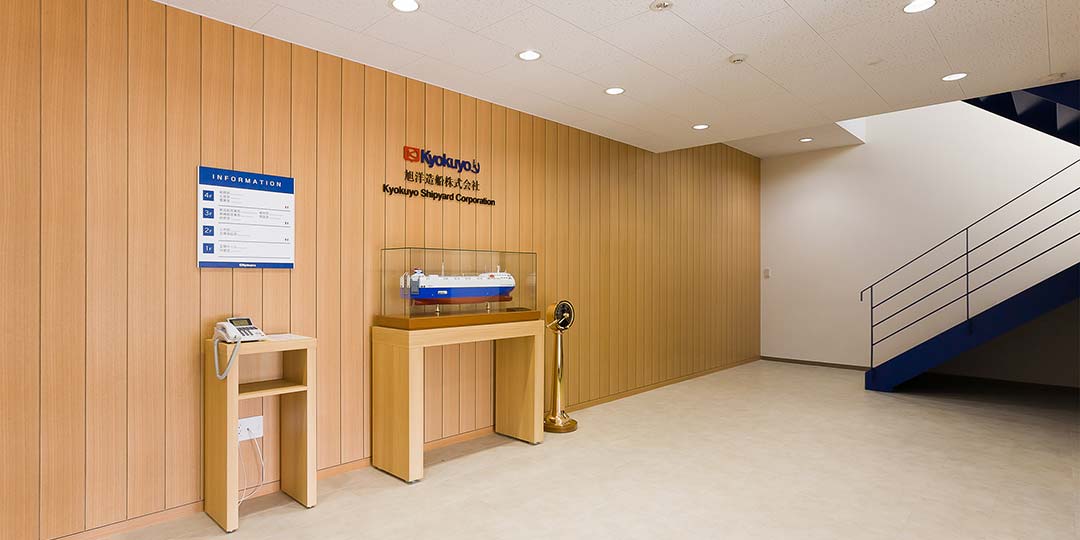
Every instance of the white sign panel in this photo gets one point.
(246, 220)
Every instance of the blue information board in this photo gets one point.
(246, 219)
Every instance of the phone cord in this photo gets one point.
(232, 358)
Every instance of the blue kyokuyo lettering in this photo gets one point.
(441, 160)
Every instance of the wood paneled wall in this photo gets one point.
(107, 109)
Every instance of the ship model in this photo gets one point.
(426, 290)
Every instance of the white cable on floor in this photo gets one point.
(262, 468)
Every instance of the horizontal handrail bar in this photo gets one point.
(928, 295)
(976, 222)
(1032, 237)
(940, 268)
(1018, 223)
(908, 325)
(1044, 252)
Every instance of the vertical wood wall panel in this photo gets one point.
(328, 265)
(106, 262)
(63, 247)
(146, 259)
(20, 220)
(166, 91)
(353, 339)
(183, 370)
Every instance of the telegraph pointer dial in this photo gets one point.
(561, 315)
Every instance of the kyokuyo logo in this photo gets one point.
(460, 165)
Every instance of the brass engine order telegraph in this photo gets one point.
(560, 316)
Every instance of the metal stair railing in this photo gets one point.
(876, 322)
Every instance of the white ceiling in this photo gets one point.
(811, 62)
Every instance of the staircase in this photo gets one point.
(1053, 109)
(1011, 266)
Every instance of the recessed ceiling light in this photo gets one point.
(660, 5)
(806, 139)
(918, 6)
(405, 6)
(954, 77)
(614, 91)
(700, 127)
(529, 55)
(737, 58)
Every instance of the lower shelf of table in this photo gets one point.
(274, 387)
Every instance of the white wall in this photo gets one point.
(834, 221)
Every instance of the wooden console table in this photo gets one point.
(221, 401)
(397, 387)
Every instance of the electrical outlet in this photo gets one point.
(250, 428)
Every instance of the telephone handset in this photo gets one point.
(233, 330)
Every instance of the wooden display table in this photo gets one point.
(397, 387)
(221, 401)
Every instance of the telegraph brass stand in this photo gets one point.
(561, 315)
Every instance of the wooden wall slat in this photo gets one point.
(451, 237)
(146, 258)
(183, 369)
(63, 248)
(106, 262)
(20, 241)
(328, 261)
(353, 339)
(376, 153)
(276, 286)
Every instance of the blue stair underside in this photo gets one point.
(1052, 109)
(1020, 309)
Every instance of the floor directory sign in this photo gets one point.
(246, 220)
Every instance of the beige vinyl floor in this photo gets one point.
(765, 450)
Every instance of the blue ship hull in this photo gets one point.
(461, 295)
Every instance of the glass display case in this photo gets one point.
(456, 287)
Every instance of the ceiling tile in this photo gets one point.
(1064, 20)
(823, 82)
(244, 14)
(592, 15)
(439, 39)
(912, 86)
(887, 43)
(473, 15)
(1017, 39)
(730, 83)
(829, 15)
(286, 24)
(965, 13)
(352, 14)
(560, 42)
(712, 15)
(665, 41)
(545, 79)
(776, 41)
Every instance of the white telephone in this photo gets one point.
(237, 329)
(233, 330)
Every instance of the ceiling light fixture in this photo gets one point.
(529, 55)
(737, 58)
(405, 6)
(918, 6)
(806, 139)
(660, 5)
(614, 91)
(954, 77)
(700, 127)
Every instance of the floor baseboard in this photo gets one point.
(812, 363)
